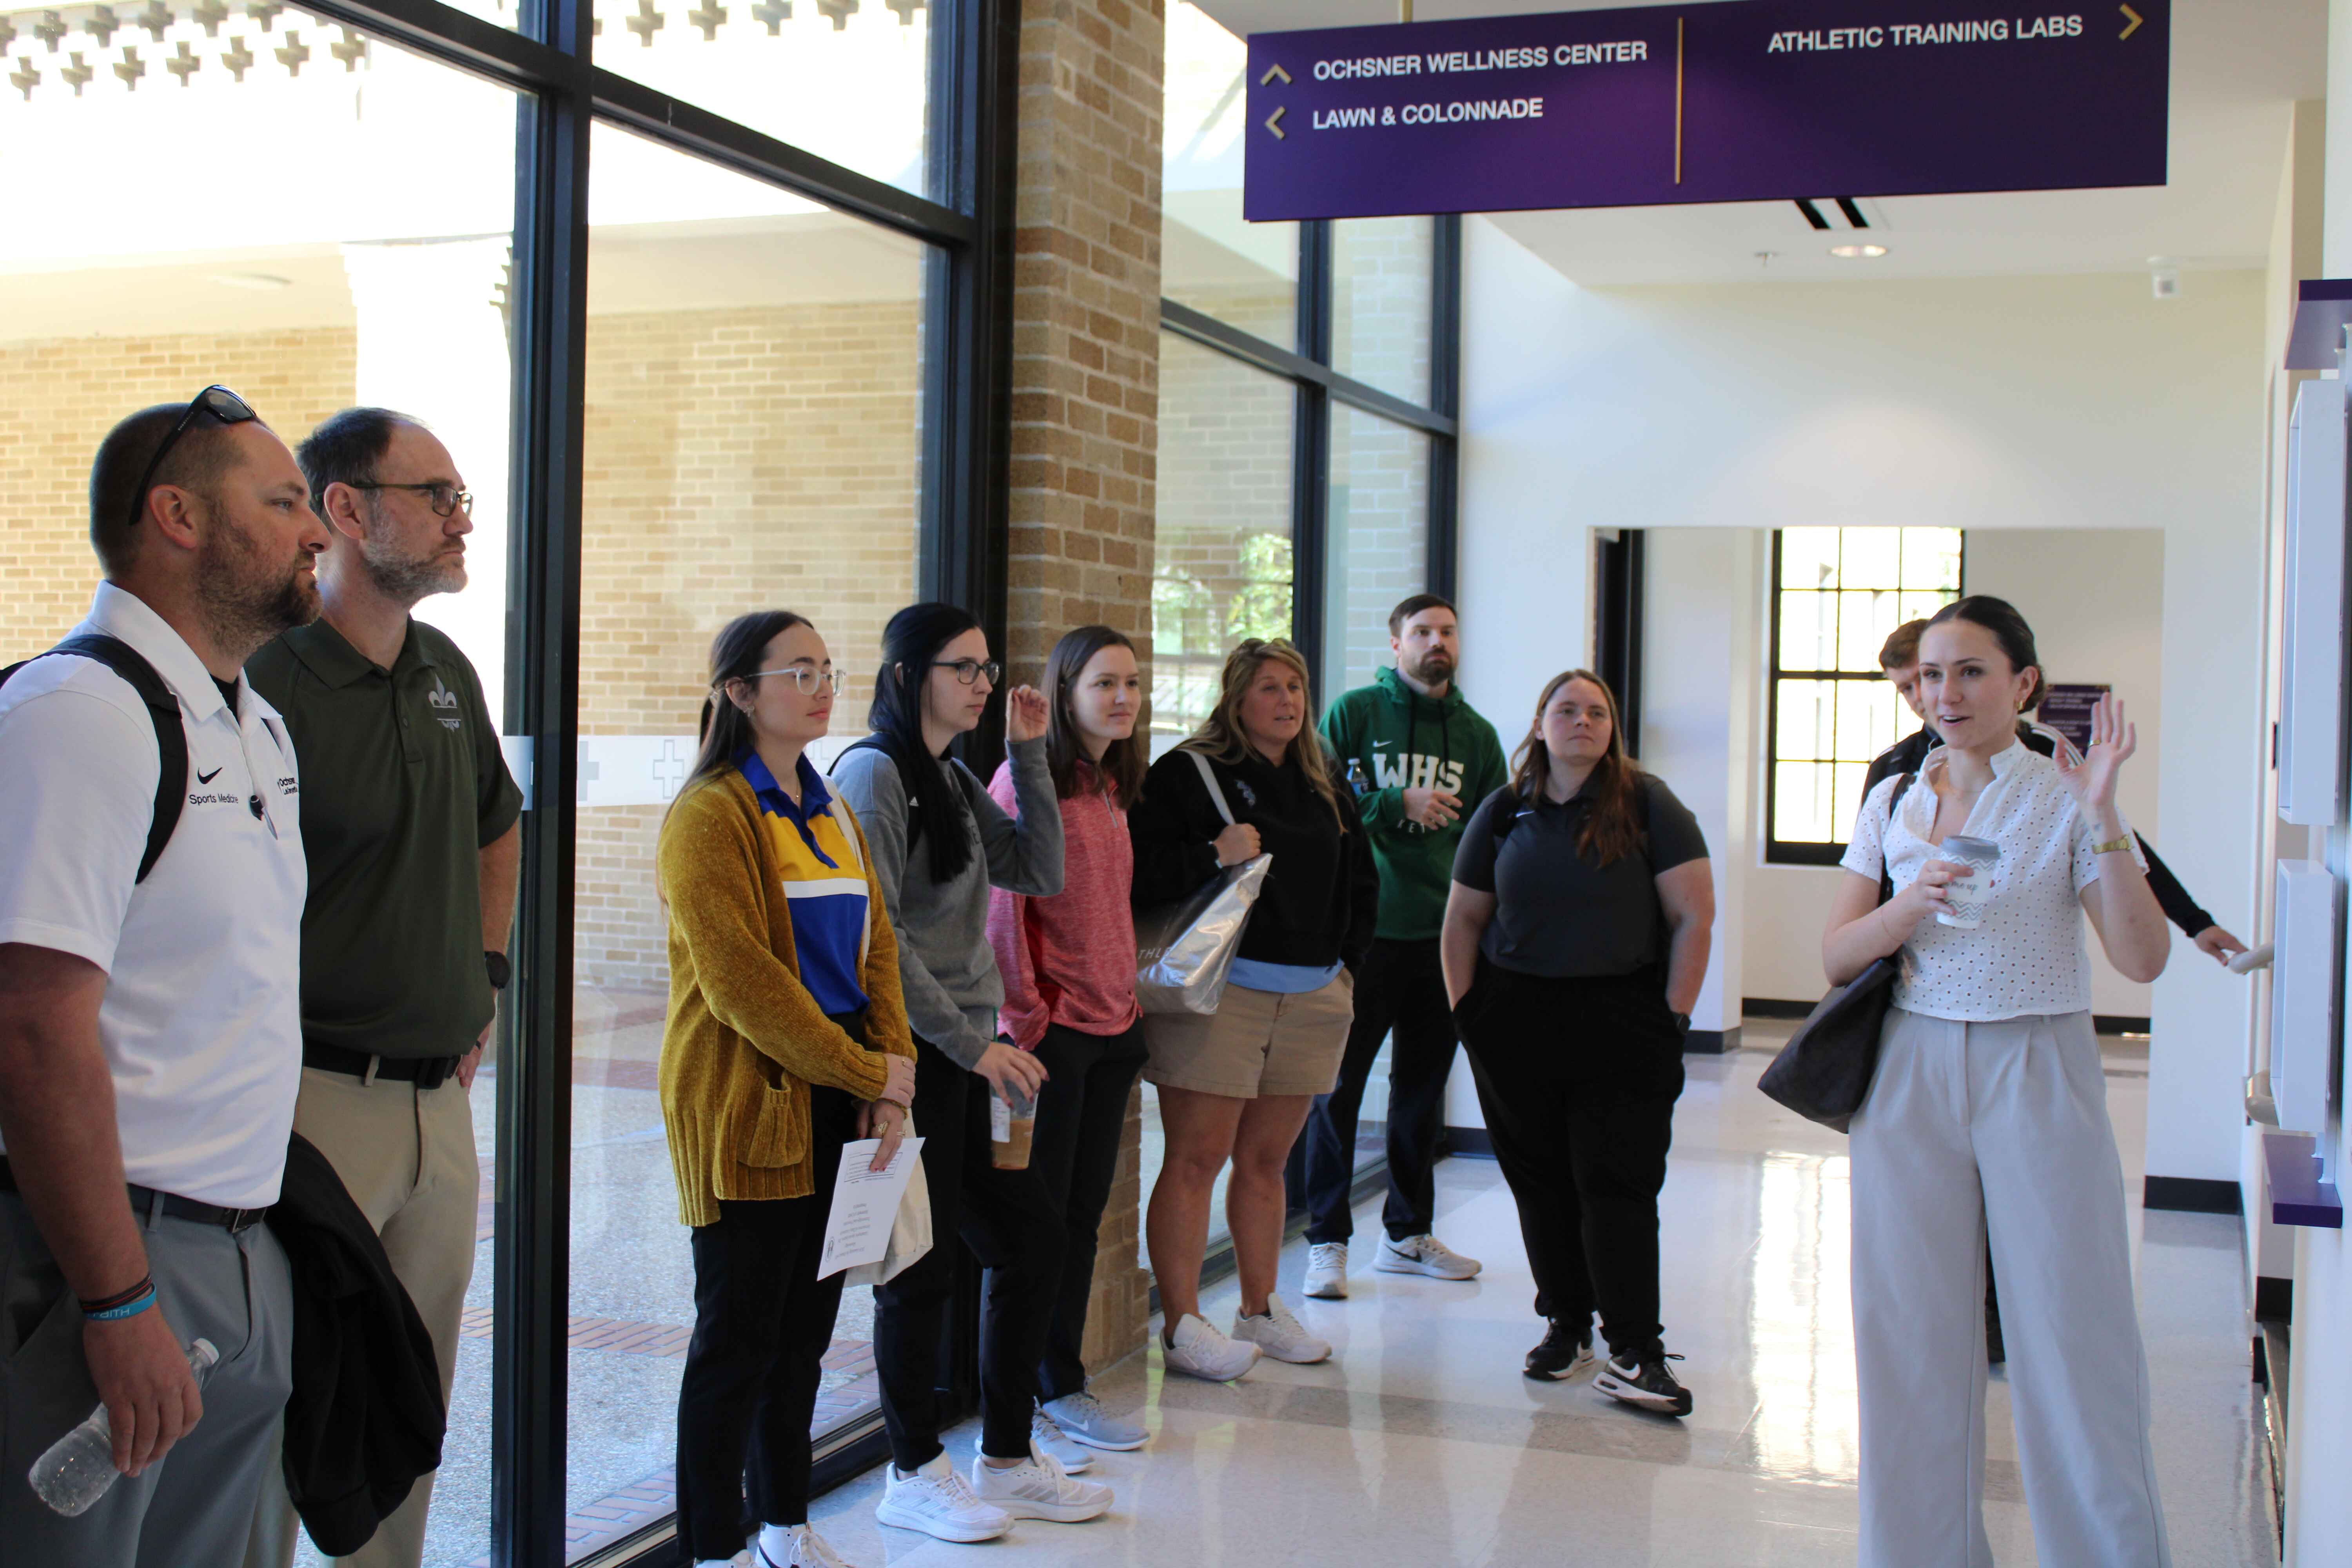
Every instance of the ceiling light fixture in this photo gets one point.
(258, 281)
(1857, 252)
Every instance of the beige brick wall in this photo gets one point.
(60, 396)
(736, 460)
(1085, 384)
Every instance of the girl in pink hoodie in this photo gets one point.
(1068, 963)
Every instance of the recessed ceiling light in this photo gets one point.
(1857, 252)
(260, 282)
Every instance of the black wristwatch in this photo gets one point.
(1682, 1024)
(501, 970)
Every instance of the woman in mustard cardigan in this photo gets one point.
(786, 1038)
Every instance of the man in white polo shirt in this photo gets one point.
(149, 1021)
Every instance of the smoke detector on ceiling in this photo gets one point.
(2164, 277)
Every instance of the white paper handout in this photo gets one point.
(864, 1204)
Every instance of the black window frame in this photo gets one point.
(1779, 851)
(1307, 364)
(967, 222)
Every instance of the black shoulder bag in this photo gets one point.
(162, 710)
(1823, 1073)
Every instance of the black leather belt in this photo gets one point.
(144, 1200)
(425, 1072)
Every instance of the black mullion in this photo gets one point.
(531, 1247)
(1444, 544)
(525, 61)
(1310, 472)
(1232, 341)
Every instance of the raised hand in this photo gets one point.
(2092, 780)
(1025, 713)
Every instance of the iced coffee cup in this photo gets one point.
(1972, 885)
(1012, 1123)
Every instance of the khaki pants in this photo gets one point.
(1999, 1126)
(407, 1157)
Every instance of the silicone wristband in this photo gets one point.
(120, 1298)
(130, 1308)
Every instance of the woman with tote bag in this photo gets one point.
(1987, 1116)
(1236, 1084)
(786, 1039)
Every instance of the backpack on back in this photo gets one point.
(162, 709)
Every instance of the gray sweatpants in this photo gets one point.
(197, 1506)
(1998, 1127)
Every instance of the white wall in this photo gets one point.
(1526, 547)
(2027, 403)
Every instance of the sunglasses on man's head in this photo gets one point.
(217, 401)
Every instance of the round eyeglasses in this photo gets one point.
(807, 679)
(969, 670)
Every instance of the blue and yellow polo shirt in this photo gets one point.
(824, 882)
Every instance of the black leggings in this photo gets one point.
(1081, 1112)
(1578, 1079)
(762, 1322)
(1013, 1228)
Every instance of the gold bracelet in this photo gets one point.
(2111, 845)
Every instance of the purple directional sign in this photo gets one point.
(1738, 102)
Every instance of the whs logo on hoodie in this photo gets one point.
(1414, 770)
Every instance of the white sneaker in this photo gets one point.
(1425, 1255)
(1280, 1335)
(1082, 1418)
(936, 1501)
(1199, 1351)
(1045, 1434)
(1038, 1488)
(808, 1550)
(1327, 1270)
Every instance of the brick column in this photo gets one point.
(1085, 377)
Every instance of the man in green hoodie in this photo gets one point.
(1420, 759)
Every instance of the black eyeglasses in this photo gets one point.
(971, 670)
(217, 401)
(445, 499)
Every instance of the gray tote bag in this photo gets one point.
(1184, 949)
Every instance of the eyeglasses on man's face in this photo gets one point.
(217, 401)
(808, 679)
(446, 500)
(968, 670)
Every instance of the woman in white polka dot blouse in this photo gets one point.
(1988, 1116)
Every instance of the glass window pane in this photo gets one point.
(1806, 720)
(1870, 557)
(1920, 606)
(1809, 558)
(1866, 719)
(343, 288)
(848, 80)
(753, 387)
(1864, 620)
(1377, 541)
(1845, 803)
(1809, 631)
(1244, 274)
(1383, 276)
(1931, 559)
(1800, 802)
(1220, 570)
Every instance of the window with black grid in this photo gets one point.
(1837, 593)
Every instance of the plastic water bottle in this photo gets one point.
(78, 1468)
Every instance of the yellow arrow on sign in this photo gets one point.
(1272, 72)
(2135, 17)
(1273, 123)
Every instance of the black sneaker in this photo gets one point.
(1563, 1353)
(1647, 1384)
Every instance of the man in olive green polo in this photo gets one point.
(409, 823)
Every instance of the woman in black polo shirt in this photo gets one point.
(1576, 937)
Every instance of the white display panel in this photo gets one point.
(2311, 704)
(2305, 1010)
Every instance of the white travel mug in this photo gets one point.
(1970, 886)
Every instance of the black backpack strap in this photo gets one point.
(1885, 875)
(162, 710)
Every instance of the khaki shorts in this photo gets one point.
(1256, 1043)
